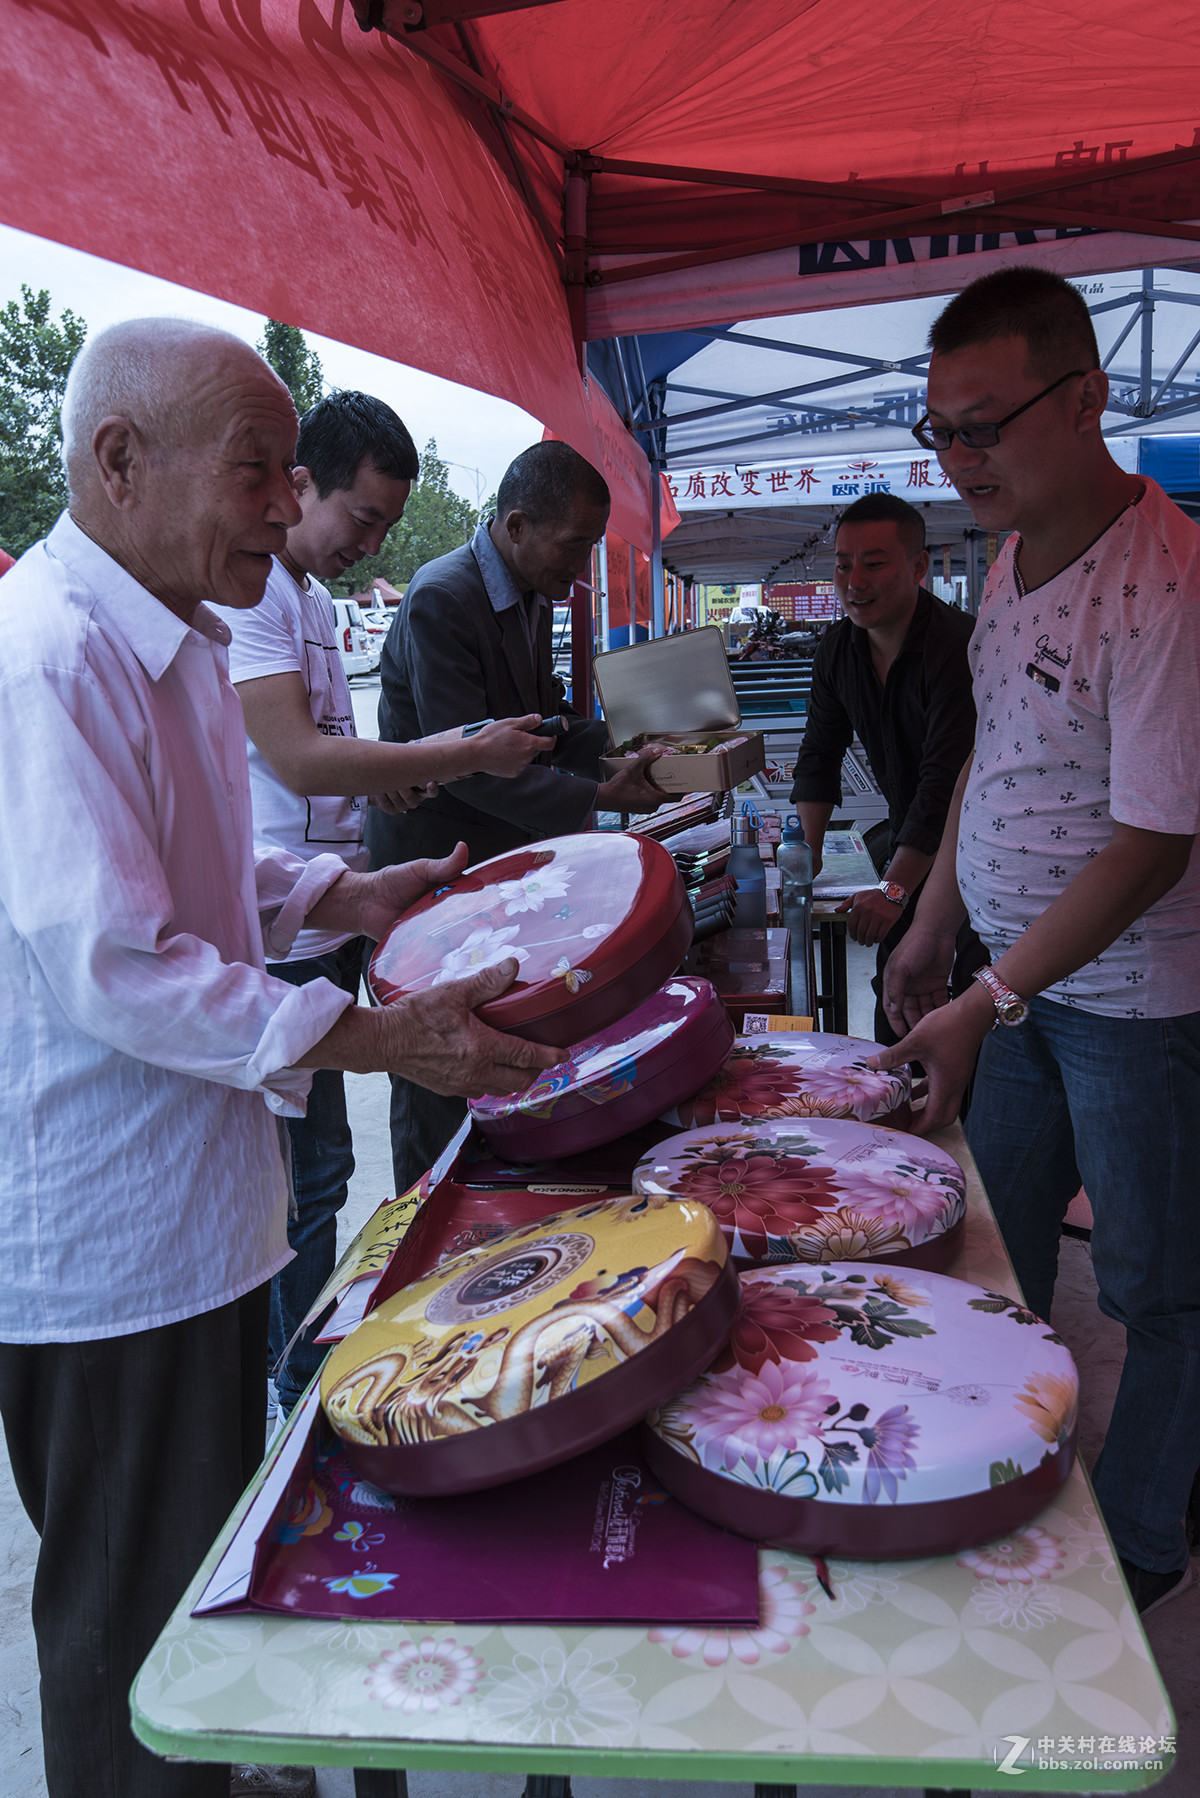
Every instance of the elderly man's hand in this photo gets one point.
(369, 904)
(631, 790)
(435, 1039)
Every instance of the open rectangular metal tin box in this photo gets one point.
(676, 690)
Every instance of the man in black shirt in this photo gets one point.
(893, 671)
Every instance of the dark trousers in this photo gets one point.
(422, 1124)
(128, 1455)
(322, 1163)
(1066, 1098)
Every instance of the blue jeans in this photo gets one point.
(322, 1163)
(1069, 1098)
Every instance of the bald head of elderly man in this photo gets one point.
(178, 443)
(143, 1046)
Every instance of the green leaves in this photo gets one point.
(298, 367)
(996, 1302)
(36, 354)
(837, 1457)
(874, 1321)
(1001, 1472)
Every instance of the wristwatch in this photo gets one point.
(1010, 1008)
(894, 892)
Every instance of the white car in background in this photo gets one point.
(377, 623)
(355, 644)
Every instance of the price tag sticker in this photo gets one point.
(761, 1023)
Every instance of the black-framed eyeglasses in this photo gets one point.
(981, 436)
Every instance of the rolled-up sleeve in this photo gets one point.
(287, 889)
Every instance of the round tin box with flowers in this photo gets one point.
(595, 923)
(870, 1412)
(799, 1074)
(816, 1189)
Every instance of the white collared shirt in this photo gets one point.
(143, 1047)
(502, 590)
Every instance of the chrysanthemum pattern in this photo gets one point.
(1049, 1401)
(771, 1080)
(909, 1199)
(783, 1612)
(758, 1198)
(1087, 1545)
(1028, 1554)
(846, 1234)
(561, 1698)
(424, 1676)
(746, 1417)
(1016, 1606)
(805, 1403)
(820, 1191)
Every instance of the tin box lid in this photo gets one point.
(576, 912)
(606, 1065)
(800, 1188)
(670, 684)
(541, 1316)
(860, 1385)
(798, 1074)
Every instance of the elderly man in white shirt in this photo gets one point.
(146, 1056)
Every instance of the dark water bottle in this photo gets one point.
(746, 866)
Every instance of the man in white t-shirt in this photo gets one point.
(1074, 822)
(310, 775)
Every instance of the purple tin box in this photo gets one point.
(617, 1080)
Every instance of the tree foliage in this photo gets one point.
(36, 353)
(298, 367)
(436, 520)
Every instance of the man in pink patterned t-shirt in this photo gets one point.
(1069, 843)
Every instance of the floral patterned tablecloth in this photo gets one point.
(1024, 1657)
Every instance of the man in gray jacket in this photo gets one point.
(472, 640)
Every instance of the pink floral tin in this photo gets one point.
(533, 1348)
(875, 1413)
(816, 1189)
(800, 1074)
(617, 1080)
(596, 922)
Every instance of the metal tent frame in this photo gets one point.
(655, 382)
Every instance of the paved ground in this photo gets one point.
(1096, 1342)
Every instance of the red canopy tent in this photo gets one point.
(477, 186)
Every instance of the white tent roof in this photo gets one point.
(837, 398)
